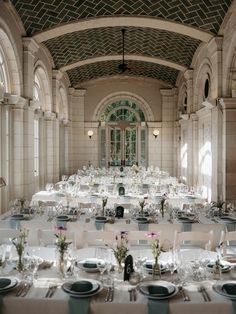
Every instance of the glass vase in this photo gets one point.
(156, 269)
(20, 265)
(62, 264)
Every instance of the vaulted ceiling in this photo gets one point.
(84, 37)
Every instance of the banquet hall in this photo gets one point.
(123, 111)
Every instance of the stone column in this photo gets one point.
(229, 149)
(19, 150)
(168, 118)
(52, 147)
(30, 48)
(154, 145)
(76, 116)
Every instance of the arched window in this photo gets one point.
(123, 134)
(4, 85)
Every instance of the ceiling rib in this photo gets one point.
(122, 21)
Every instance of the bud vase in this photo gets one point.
(156, 270)
(61, 264)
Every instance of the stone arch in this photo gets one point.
(123, 96)
(43, 76)
(12, 60)
(204, 72)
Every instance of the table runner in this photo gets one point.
(160, 307)
(78, 305)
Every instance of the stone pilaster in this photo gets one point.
(76, 116)
(30, 48)
(189, 82)
(168, 118)
(229, 149)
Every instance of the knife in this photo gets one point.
(111, 295)
(108, 294)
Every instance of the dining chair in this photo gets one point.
(98, 238)
(6, 235)
(32, 226)
(167, 233)
(47, 237)
(228, 245)
(116, 227)
(193, 239)
(140, 238)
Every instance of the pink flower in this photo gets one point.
(152, 235)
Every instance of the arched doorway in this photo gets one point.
(123, 135)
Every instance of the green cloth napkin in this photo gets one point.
(158, 290)
(234, 307)
(77, 305)
(158, 306)
(4, 282)
(229, 288)
(81, 286)
(89, 265)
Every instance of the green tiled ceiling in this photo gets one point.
(41, 15)
(109, 68)
(38, 16)
(91, 43)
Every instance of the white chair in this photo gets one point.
(116, 227)
(167, 233)
(141, 238)
(98, 238)
(47, 237)
(188, 239)
(6, 235)
(32, 227)
(228, 243)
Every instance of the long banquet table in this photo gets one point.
(35, 301)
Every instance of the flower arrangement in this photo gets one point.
(219, 205)
(163, 199)
(62, 245)
(19, 244)
(135, 168)
(121, 249)
(156, 250)
(142, 204)
(104, 203)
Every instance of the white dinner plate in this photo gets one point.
(172, 289)
(81, 265)
(12, 285)
(218, 289)
(67, 287)
(97, 287)
(225, 267)
(149, 269)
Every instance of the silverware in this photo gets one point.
(134, 295)
(111, 296)
(53, 290)
(26, 290)
(21, 288)
(184, 295)
(108, 294)
(206, 293)
(202, 293)
(130, 295)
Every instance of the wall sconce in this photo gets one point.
(90, 133)
(155, 133)
(2, 182)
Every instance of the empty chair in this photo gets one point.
(167, 233)
(228, 243)
(32, 226)
(141, 238)
(193, 239)
(98, 238)
(6, 235)
(47, 237)
(117, 227)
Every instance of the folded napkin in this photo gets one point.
(158, 290)
(82, 286)
(4, 282)
(90, 265)
(229, 288)
(160, 307)
(211, 265)
(45, 265)
(79, 305)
